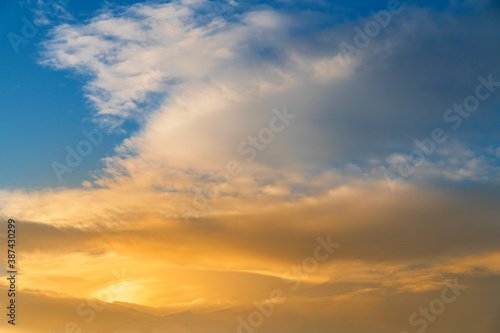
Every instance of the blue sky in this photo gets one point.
(42, 110)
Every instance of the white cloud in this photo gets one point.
(202, 83)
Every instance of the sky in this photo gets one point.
(251, 166)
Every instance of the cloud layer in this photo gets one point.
(219, 193)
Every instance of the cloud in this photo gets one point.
(391, 243)
(200, 84)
